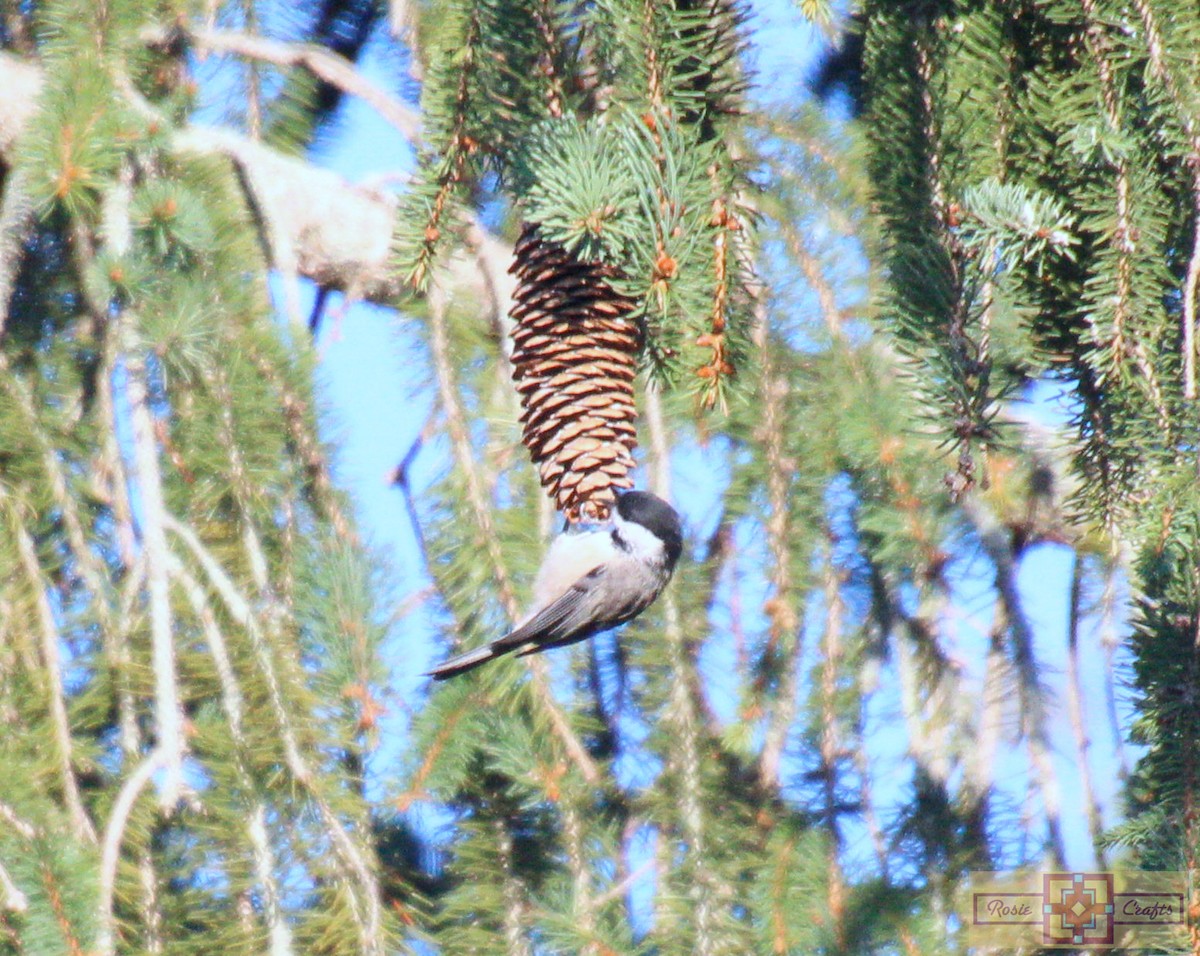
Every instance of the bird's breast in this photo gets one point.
(570, 557)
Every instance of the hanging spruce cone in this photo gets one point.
(575, 346)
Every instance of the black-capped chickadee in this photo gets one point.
(591, 581)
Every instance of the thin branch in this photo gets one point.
(1075, 708)
(114, 835)
(620, 888)
(13, 900)
(515, 905)
(52, 662)
(16, 222)
(233, 703)
(583, 907)
(241, 610)
(17, 822)
(783, 627)
(829, 745)
(683, 715)
(325, 65)
(168, 712)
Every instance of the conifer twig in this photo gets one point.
(11, 897)
(1121, 344)
(783, 620)
(683, 713)
(232, 700)
(1190, 124)
(114, 836)
(828, 746)
(582, 904)
(52, 662)
(513, 918)
(297, 414)
(242, 612)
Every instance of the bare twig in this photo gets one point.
(168, 712)
(325, 65)
(1075, 707)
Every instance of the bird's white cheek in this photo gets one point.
(642, 541)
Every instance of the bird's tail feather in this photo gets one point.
(464, 662)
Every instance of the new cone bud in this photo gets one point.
(575, 346)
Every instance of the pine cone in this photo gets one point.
(575, 346)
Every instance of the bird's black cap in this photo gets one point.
(656, 516)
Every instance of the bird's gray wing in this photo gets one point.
(558, 620)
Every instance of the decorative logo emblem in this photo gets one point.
(1089, 911)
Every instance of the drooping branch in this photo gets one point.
(313, 223)
(325, 65)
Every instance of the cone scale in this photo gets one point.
(575, 347)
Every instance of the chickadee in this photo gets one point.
(591, 581)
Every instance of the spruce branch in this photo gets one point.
(784, 637)
(1186, 116)
(365, 900)
(153, 514)
(1119, 342)
(313, 221)
(298, 416)
(11, 897)
(233, 702)
(51, 641)
(452, 161)
(114, 835)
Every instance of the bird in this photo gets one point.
(591, 581)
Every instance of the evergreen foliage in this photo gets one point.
(807, 743)
(1064, 137)
(185, 618)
